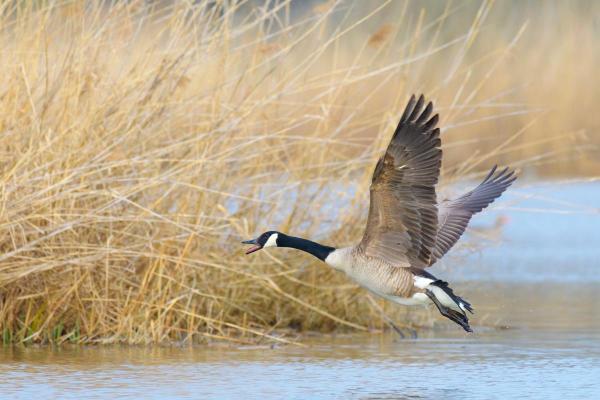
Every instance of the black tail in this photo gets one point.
(448, 310)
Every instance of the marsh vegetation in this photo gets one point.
(141, 141)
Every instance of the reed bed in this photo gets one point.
(140, 142)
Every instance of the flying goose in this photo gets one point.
(407, 231)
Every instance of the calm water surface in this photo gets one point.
(541, 283)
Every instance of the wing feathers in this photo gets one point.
(405, 226)
(402, 223)
(407, 111)
(431, 123)
(417, 109)
(426, 113)
(454, 215)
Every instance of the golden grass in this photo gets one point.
(140, 143)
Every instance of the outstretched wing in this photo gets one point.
(454, 215)
(402, 223)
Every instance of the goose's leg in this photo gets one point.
(448, 313)
(441, 308)
(388, 320)
(394, 327)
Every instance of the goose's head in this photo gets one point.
(267, 239)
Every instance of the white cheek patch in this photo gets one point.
(337, 260)
(272, 241)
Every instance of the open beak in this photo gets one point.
(254, 248)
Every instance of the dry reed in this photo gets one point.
(140, 142)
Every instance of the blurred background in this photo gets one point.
(141, 141)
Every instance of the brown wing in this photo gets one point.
(402, 223)
(454, 215)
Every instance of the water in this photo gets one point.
(501, 365)
(552, 234)
(541, 284)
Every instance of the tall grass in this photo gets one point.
(140, 142)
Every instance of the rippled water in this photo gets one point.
(502, 365)
(542, 284)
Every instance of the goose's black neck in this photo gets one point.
(318, 250)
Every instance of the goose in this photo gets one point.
(407, 231)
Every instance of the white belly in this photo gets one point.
(417, 299)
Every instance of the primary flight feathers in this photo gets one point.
(402, 223)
